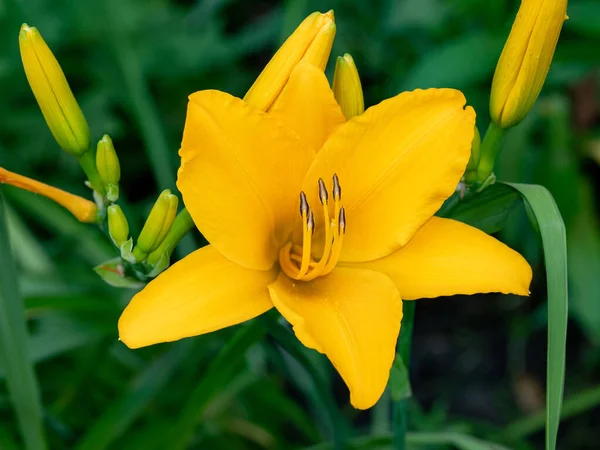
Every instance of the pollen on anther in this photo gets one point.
(323, 195)
(310, 220)
(303, 204)
(342, 220)
(337, 189)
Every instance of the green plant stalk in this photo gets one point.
(490, 146)
(14, 349)
(182, 224)
(88, 164)
(400, 408)
(572, 406)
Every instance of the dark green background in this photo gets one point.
(478, 362)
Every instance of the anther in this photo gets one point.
(337, 190)
(323, 195)
(310, 221)
(342, 220)
(303, 204)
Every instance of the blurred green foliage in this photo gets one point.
(478, 362)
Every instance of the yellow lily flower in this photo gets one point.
(84, 210)
(328, 220)
(526, 59)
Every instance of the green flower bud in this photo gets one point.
(108, 167)
(118, 228)
(157, 225)
(347, 88)
(53, 94)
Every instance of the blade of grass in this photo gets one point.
(553, 234)
(292, 345)
(14, 351)
(226, 362)
(118, 417)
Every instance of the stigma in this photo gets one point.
(295, 260)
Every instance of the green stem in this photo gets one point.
(182, 224)
(400, 407)
(490, 146)
(14, 349)
(88, 164)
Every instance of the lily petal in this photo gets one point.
(396, 163)
(307, 105)
(352, 316)
(241, 172)
(447, 257)
(203, 292)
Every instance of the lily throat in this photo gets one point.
(296, 260)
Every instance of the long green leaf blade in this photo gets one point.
(554, 240)
(14, 350)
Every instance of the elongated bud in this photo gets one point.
(161, 216)
(53, 94)
(347, 88)
(118, 228)
(108, 167)
(312, 41)
(84, 210)
(525, 60)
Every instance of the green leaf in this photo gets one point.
(20, 376)
(552, 230)
(113, 273)
(224, 365)
(123, 412)
(487, 210)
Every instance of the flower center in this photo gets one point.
(295, 260)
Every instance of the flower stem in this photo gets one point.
(400, 407)
(490, 146)
(88, 164)
(14, 349)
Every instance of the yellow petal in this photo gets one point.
(203, 292)
(311, 40)
(353, 317)
(396, 163)
(526, 59)
(241, 172)
(307, 105)
(84, 210)
(447, 257)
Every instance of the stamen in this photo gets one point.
(337, 189)
(323, 195)
(307, 232)
(295, 260)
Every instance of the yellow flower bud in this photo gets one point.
(118, 228)
(53, 94)
(108, 167)
(84, 210)
(347, 88)
(525, 60)
(160, 219)
(312, 41)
